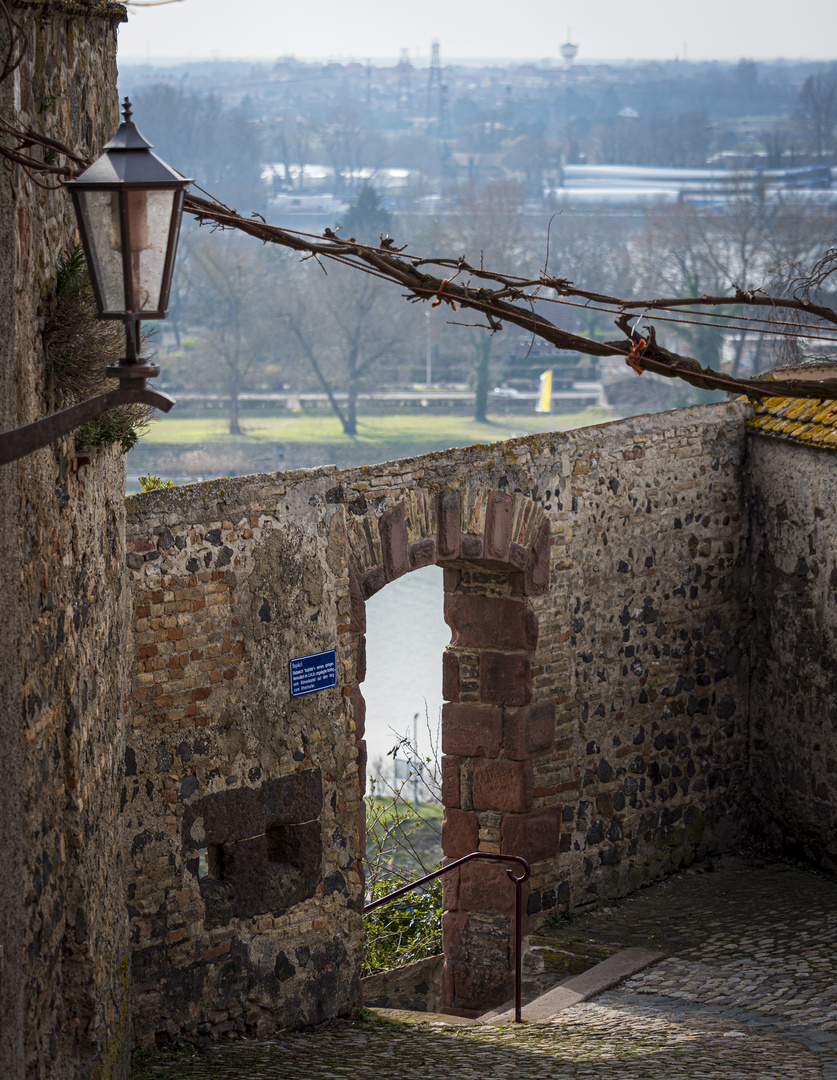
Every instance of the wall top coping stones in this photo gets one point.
(83, 9)
(325, 488)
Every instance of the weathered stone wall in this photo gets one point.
(596, 686)
(64, 985)
(792, 498)
(232, 578)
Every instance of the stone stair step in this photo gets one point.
(595, 980)
(409, 1016)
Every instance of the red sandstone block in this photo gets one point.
(450, 676)
(529, 731)
(472, 730)
(450, 891)
(537, 569)
(447, 985)
(503, 785)
(357, 608)
(360, 663)
(422, 553)
(455, 937)
(392, 529)
(481, 987)
(498, 525)
(174, 936)
(201, 693)
(447, 524)
(373, 581)
(505, 679)
(486, 887)
(470, 547)
(217, 950)
(450, 782)
(480, 622)
(535, 836)
(460, 833)
(359, 710)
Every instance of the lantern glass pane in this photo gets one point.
(100, 221)
(149, 223)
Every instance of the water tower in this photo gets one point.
(568, 52)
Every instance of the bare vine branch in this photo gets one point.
(501, 298)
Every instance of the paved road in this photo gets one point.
(748, 989)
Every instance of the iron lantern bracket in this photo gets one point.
(21, 441)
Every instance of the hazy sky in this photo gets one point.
(532, 29)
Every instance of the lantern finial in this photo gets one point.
(126, 110)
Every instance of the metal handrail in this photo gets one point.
(518, 913)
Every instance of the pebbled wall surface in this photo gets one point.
(793, 697)
(64, 987)
(596, 685)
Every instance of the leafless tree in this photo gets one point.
(817, 109)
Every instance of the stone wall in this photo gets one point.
(241, 803)
(793, 695)
(596, 686)
(63, 990)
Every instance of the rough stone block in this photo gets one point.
(447, 524)
(392, 529)
(450, 676)
(505, 678)
(490, 622)
(460, 833)
(498, 526)
(227, 816)
(529, 731)
(294, 798)
(472, 730)
(486, 887)
(535, 835)
(503, 785)
(450, 781)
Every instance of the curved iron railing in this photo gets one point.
(518, 905)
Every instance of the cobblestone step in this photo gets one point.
(588, 984)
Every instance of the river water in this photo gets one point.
(406, 635)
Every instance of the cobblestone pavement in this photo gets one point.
(748, 989)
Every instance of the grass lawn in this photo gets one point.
(188, 448)
(378, 430)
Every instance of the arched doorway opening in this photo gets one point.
(494, 549)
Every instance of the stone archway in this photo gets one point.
(494, 548)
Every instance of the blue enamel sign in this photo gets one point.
(315, 672)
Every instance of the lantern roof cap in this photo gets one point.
(128, 159)
(128, 136)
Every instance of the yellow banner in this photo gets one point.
(544, 404)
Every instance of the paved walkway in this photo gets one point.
(748, 988)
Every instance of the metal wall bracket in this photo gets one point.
(21, 441)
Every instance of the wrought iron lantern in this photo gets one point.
(129, 205)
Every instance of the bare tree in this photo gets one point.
(230, 300)
(817, 109)
(344, 326)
